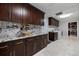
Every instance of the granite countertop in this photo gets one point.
(16, 38)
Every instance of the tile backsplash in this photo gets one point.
(4, 24)
(9, 26)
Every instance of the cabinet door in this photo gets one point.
(33, 15)
(36, 16)
(16, 12)
(51, 36)
(26, 14)
(4, 49)
(49, 21)
(53, 21)
(38, 43)
(30, 47)
(4, 11)
(18, 48)
(41, 42)
(45, 40)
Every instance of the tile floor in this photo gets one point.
(63, 47)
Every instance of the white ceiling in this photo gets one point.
(52, 8)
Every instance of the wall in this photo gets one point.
(78, 29)
(63, 27)
(45, 23)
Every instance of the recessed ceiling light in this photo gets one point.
(65, 15)
(59, 13)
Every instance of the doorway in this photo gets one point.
(72, 30)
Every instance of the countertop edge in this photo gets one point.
(18, 38)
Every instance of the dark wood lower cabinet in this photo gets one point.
(35, 44)
(12, 48)
(18, 48)
(53, 36)
(25, 46)
(30, 46)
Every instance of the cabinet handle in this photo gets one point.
(19, 43)
(3, 47)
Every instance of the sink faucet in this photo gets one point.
(22, 28)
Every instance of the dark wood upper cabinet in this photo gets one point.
(21, 13)
(34, 15)
(16, 12)
(26, 16)
(4, 12)
(52, 21)
(37, 16)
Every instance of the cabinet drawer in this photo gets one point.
(4, 49)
